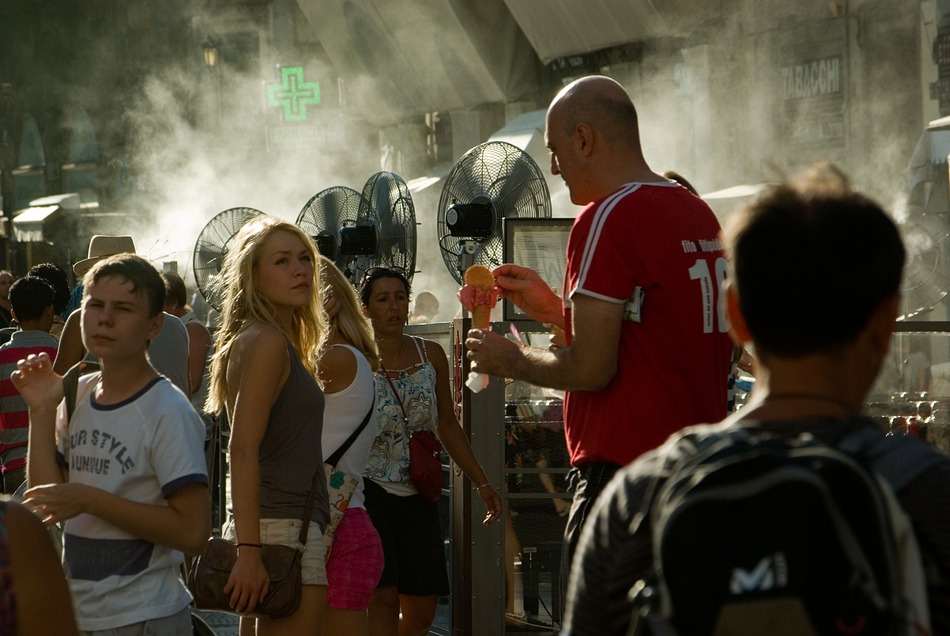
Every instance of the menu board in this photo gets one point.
(540, 244)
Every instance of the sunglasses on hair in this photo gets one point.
(378, 272)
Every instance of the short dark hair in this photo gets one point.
(30, 296)
(58, 279)
(375, 273)
(812, 259)
(175, 289)
(137, 271)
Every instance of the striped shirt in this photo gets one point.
(14, 414)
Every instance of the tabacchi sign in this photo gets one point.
(812, 79)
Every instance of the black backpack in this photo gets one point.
(763, 534)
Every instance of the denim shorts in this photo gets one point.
(286, 532)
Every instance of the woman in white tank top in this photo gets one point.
(346, 369)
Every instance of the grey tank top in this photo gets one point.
(290, 451)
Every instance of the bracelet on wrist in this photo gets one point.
(482, 486)
(249, 545)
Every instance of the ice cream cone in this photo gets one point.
(481, 317)
(477, 296)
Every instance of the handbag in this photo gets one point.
(425, 465)
(209, 573)
(425, 455)
(340, 485)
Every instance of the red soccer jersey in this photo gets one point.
(655, 248)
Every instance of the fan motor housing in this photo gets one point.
(470, 220)
(326, 244)
(359, 240)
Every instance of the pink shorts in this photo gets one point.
(355, 563)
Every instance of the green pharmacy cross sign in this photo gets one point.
(293, 94)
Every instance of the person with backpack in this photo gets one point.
(790, 516)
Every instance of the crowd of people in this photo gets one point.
(301, 363)
(295, 365)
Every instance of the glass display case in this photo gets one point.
(536, 466)
(912, 393)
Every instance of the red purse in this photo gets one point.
(425, 455)
(425, 465)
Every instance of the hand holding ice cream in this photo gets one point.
(478, 297)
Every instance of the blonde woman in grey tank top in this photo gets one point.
(262, 374)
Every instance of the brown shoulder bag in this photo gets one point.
(210, 572)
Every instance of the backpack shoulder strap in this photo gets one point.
(71, 383)
(897, 458)
(902, 462)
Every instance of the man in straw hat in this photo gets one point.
(102, 246)
(168, 352)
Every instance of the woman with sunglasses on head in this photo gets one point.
(346, 368)
(412, 394)
(272, 331)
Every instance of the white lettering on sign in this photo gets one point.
(821, 77)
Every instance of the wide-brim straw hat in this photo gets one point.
(102, 246)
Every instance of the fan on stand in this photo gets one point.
(212, 246)
(492, 181)
(386, 208)
(330, 218)
(926, 277)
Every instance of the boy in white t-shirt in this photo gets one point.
(127, 472)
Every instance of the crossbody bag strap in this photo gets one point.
(405, 418)
(335, 457)
(305, 527)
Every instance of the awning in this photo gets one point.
(28, 223)
(69, 201)
(403, 59)
(564, 28)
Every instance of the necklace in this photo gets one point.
(396, 359)
(816, 397)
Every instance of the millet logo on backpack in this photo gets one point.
(771, 571)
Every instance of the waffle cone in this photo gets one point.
(481, 317)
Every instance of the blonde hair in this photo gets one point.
(349, 321)
(243, 303)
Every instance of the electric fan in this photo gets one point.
(212, 246)
(492, 181)
(329, 217)
(385, 230)
(926, 278)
